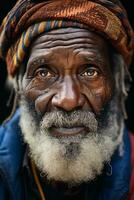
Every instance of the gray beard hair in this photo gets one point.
(76, 159)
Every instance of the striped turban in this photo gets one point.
(29, 18)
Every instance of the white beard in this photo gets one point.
(70, 159)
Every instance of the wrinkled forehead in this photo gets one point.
(78, 39)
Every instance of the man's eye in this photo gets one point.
(44, 73)
(90, 73)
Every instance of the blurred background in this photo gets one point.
(5, 94)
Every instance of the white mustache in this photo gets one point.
(73, 119)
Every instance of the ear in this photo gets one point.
(16, 81)
(122, 87)
(11, 83)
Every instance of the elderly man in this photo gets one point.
(66, 138)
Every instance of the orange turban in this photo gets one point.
(107, 17)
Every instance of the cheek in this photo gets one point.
(39, 93)
(99, 94)
(41, 98)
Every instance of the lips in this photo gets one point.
(66, 132)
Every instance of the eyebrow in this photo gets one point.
(33, 63)
(97, 58)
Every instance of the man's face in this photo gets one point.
(67, 93)
(68, 72)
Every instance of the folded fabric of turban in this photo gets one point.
(30, 18)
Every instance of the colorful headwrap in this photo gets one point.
(30, 18)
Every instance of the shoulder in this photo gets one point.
(10, 134)
(11, 153)
(131, 193)
(11, 143)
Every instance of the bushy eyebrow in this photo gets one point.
(37, 61)
(95, 58)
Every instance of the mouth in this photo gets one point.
(68, 131)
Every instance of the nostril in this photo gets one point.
(57, 108)
(67, 104)
(69, 96)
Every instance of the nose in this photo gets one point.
(68, 97)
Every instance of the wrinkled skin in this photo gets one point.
(69, 69)
(69, 106)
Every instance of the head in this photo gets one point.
(72, 90)
(71, 117)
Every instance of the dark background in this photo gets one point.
(5, 6)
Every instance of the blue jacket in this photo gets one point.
(12, 148)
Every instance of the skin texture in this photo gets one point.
(69, 89)
(68, 69)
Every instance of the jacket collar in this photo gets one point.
(11, 155)
(116, 185)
